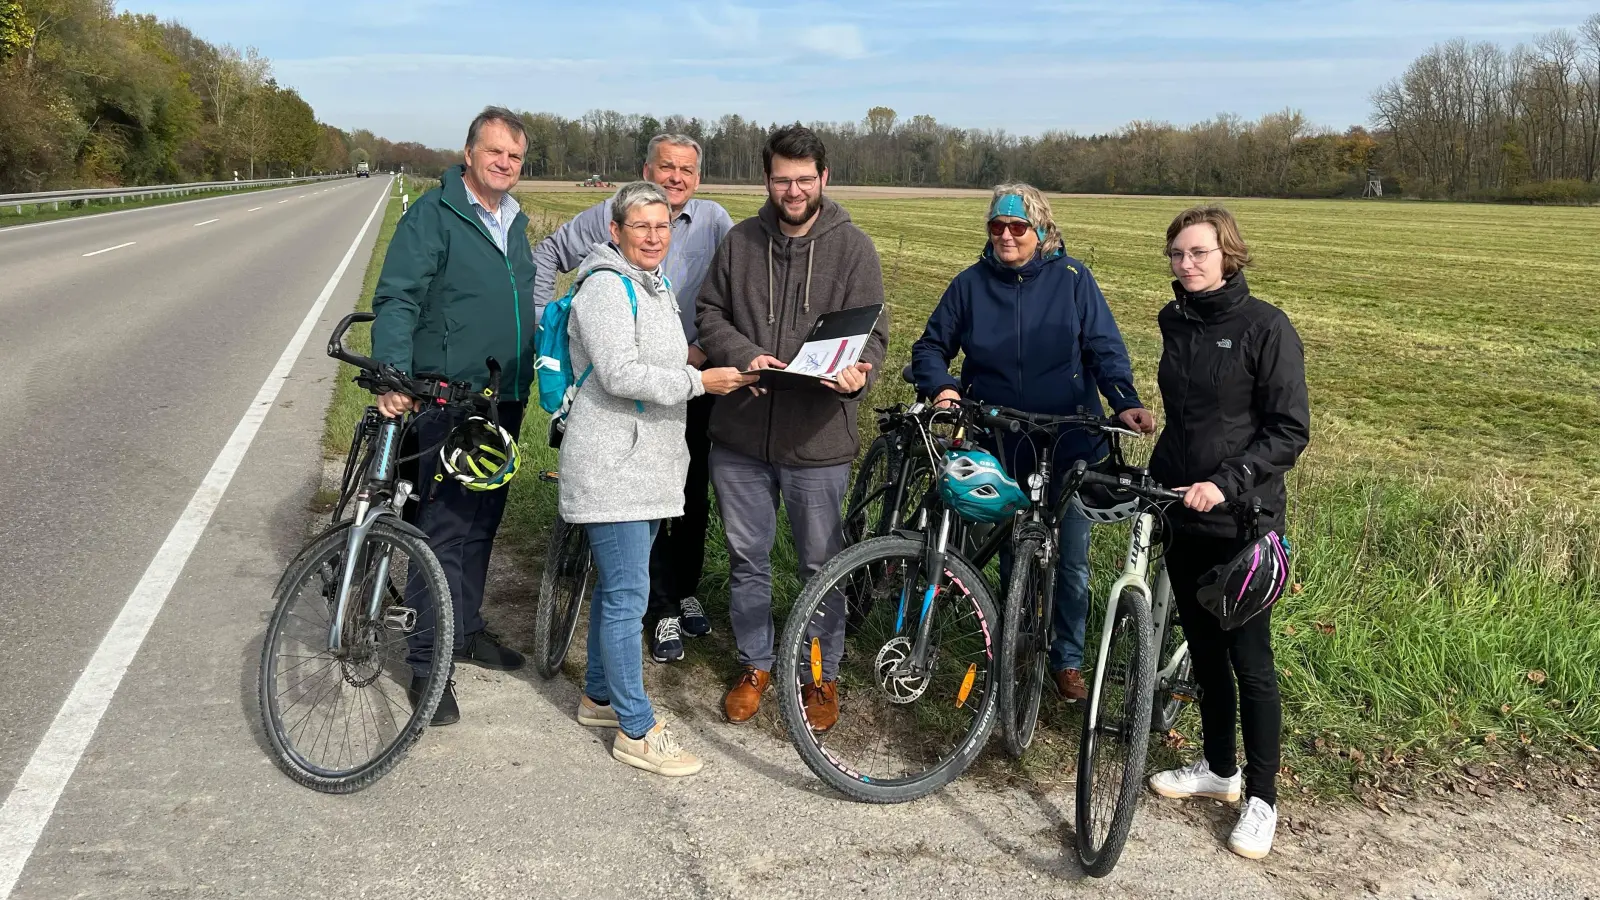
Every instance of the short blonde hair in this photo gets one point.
(1235, 254)
(1038, 209)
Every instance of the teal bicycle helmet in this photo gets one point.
(976, 486)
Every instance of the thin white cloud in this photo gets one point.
(841, 41)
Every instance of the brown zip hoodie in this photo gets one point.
(761, 296)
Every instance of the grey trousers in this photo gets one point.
(748, 491)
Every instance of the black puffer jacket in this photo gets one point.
(1233, 381)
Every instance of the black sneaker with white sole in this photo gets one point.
(693, 618)
(666, 642)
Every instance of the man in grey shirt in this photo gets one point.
(698, 226)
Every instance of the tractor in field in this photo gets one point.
(595, 181)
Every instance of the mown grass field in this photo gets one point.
(1444, 521)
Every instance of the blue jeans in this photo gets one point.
(616, 620)
(1072, 591)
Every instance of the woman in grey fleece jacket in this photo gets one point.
(624, 460)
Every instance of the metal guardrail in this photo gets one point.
(122, 195)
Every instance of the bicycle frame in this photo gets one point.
(379, 495)
(1161, 620)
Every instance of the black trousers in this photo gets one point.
(460, 525)
(1222, 658)
(678, 556)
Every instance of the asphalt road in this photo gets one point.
(127, 373)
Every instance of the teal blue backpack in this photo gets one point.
(557, 386)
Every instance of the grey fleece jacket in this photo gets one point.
(761, 296)
(618, 463)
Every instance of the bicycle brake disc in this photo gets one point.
(891, 667)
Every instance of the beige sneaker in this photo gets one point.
(592, 713)
(658, 751)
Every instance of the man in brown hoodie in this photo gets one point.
(773, 274)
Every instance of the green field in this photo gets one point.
(1450, 339)
(1444, 519)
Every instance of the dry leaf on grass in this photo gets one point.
(1537, 676)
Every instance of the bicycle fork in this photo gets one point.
(917, 663)
(1135, 568)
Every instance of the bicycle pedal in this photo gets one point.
(1186, 691)
(400, 618)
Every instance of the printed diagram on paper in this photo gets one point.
(825, 358)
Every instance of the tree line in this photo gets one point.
(1464, 120)
(89, 96)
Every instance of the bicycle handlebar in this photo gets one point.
(431, 390)
(1157, 493)
(1004, 418)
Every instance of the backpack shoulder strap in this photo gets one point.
(633, 305)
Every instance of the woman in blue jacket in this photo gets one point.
(1039, 337)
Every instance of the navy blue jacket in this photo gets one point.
(1040, 338)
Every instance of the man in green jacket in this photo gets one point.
(457, 289)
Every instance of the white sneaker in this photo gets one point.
(658, 751)
(596, 714)
(1252, 837)
(1196, 780)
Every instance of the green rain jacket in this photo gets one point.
(448, 299)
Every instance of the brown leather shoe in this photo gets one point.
(821, 702)
(742, 700)
(1070, 683)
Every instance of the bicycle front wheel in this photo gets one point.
(338, 720)
(1116, 736)
(1023, 648)
(904, 730)
(563, 589)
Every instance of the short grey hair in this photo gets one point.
(676, 140)
(497, 114)
(635, 194)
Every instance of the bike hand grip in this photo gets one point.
(336, 343)
(991, 418)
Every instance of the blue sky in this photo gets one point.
(419, 69)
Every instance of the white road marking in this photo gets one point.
(33, 799)
(109, 249)
(286, 200)
(206, 222)
(253, 209)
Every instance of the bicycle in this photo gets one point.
(912, 628)
(342, 625)
(563, 590)
(1033, 536)
(1126, 686)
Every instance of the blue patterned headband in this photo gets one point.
(1012, 205)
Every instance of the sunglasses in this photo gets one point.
(1017, 229)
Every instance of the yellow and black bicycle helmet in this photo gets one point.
(480, 454)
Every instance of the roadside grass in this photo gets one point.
(9, 215)
(1447, 545)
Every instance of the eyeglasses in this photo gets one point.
(1178, 256)
(1017, 229)
(806, 183)
(645, 229)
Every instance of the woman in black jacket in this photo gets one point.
(1232, 378)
